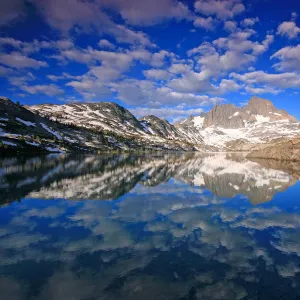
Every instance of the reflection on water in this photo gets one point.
(183, 226)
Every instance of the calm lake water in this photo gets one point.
(183, 226)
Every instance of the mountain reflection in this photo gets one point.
(181, 227)
(109, 177)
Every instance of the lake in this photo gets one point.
(161, 226)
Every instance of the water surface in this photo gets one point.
(186, 226)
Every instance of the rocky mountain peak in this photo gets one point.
(262, 107)
(225, 116)
(259, 106)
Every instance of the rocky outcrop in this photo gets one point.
(257, 110)
(262, 107)
(225, 116)
(287, 150)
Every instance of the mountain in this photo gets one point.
(64, 129)
(228, 127)
(161, 127)
(106, 116)
(256, 111)
(107, 126)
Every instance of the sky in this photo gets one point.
(169, 58)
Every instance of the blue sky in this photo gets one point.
(170, 58)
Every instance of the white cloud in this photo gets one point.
(145, 92)
(35, 46)
(223, 9)
(160, 58)
(241, 43)
(289, 59)
(49, 90)
(249, 22)
(106, 44)
(216, 59)
(6, 71)
(20, 61)
(206, 23)
(179, 68)
(288, 29)
(144, 12)
(157, 74)
(226, 85)
(230, 26)
(277, 81)
(87, 15)
(262, 90)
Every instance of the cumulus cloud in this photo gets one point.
(146, 92)
(106, 44)
(144, 12)
(6, 71)
(20, 61)
(223, 9)
(206, 23)
(277, 81)
(157, 74)
(289, 59)
(86, 15)
(249, 22)
(216, 59)
(262, 90)
(289, 28)
(230, 26)
(49, 90)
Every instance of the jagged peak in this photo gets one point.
(260, 101)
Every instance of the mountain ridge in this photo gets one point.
(109, 126)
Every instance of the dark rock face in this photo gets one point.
(288, 150)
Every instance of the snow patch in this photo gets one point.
(51, 131)
(198, 121)
(262, 119)
(234, 115)
(32, 143)
(9, 144)
(27, 123)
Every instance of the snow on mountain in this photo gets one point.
(84, 127)
(106, 116)
(160, 127)
(228, 127)
(224, 127)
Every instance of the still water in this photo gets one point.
(157, 227)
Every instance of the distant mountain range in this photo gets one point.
(107, 126)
